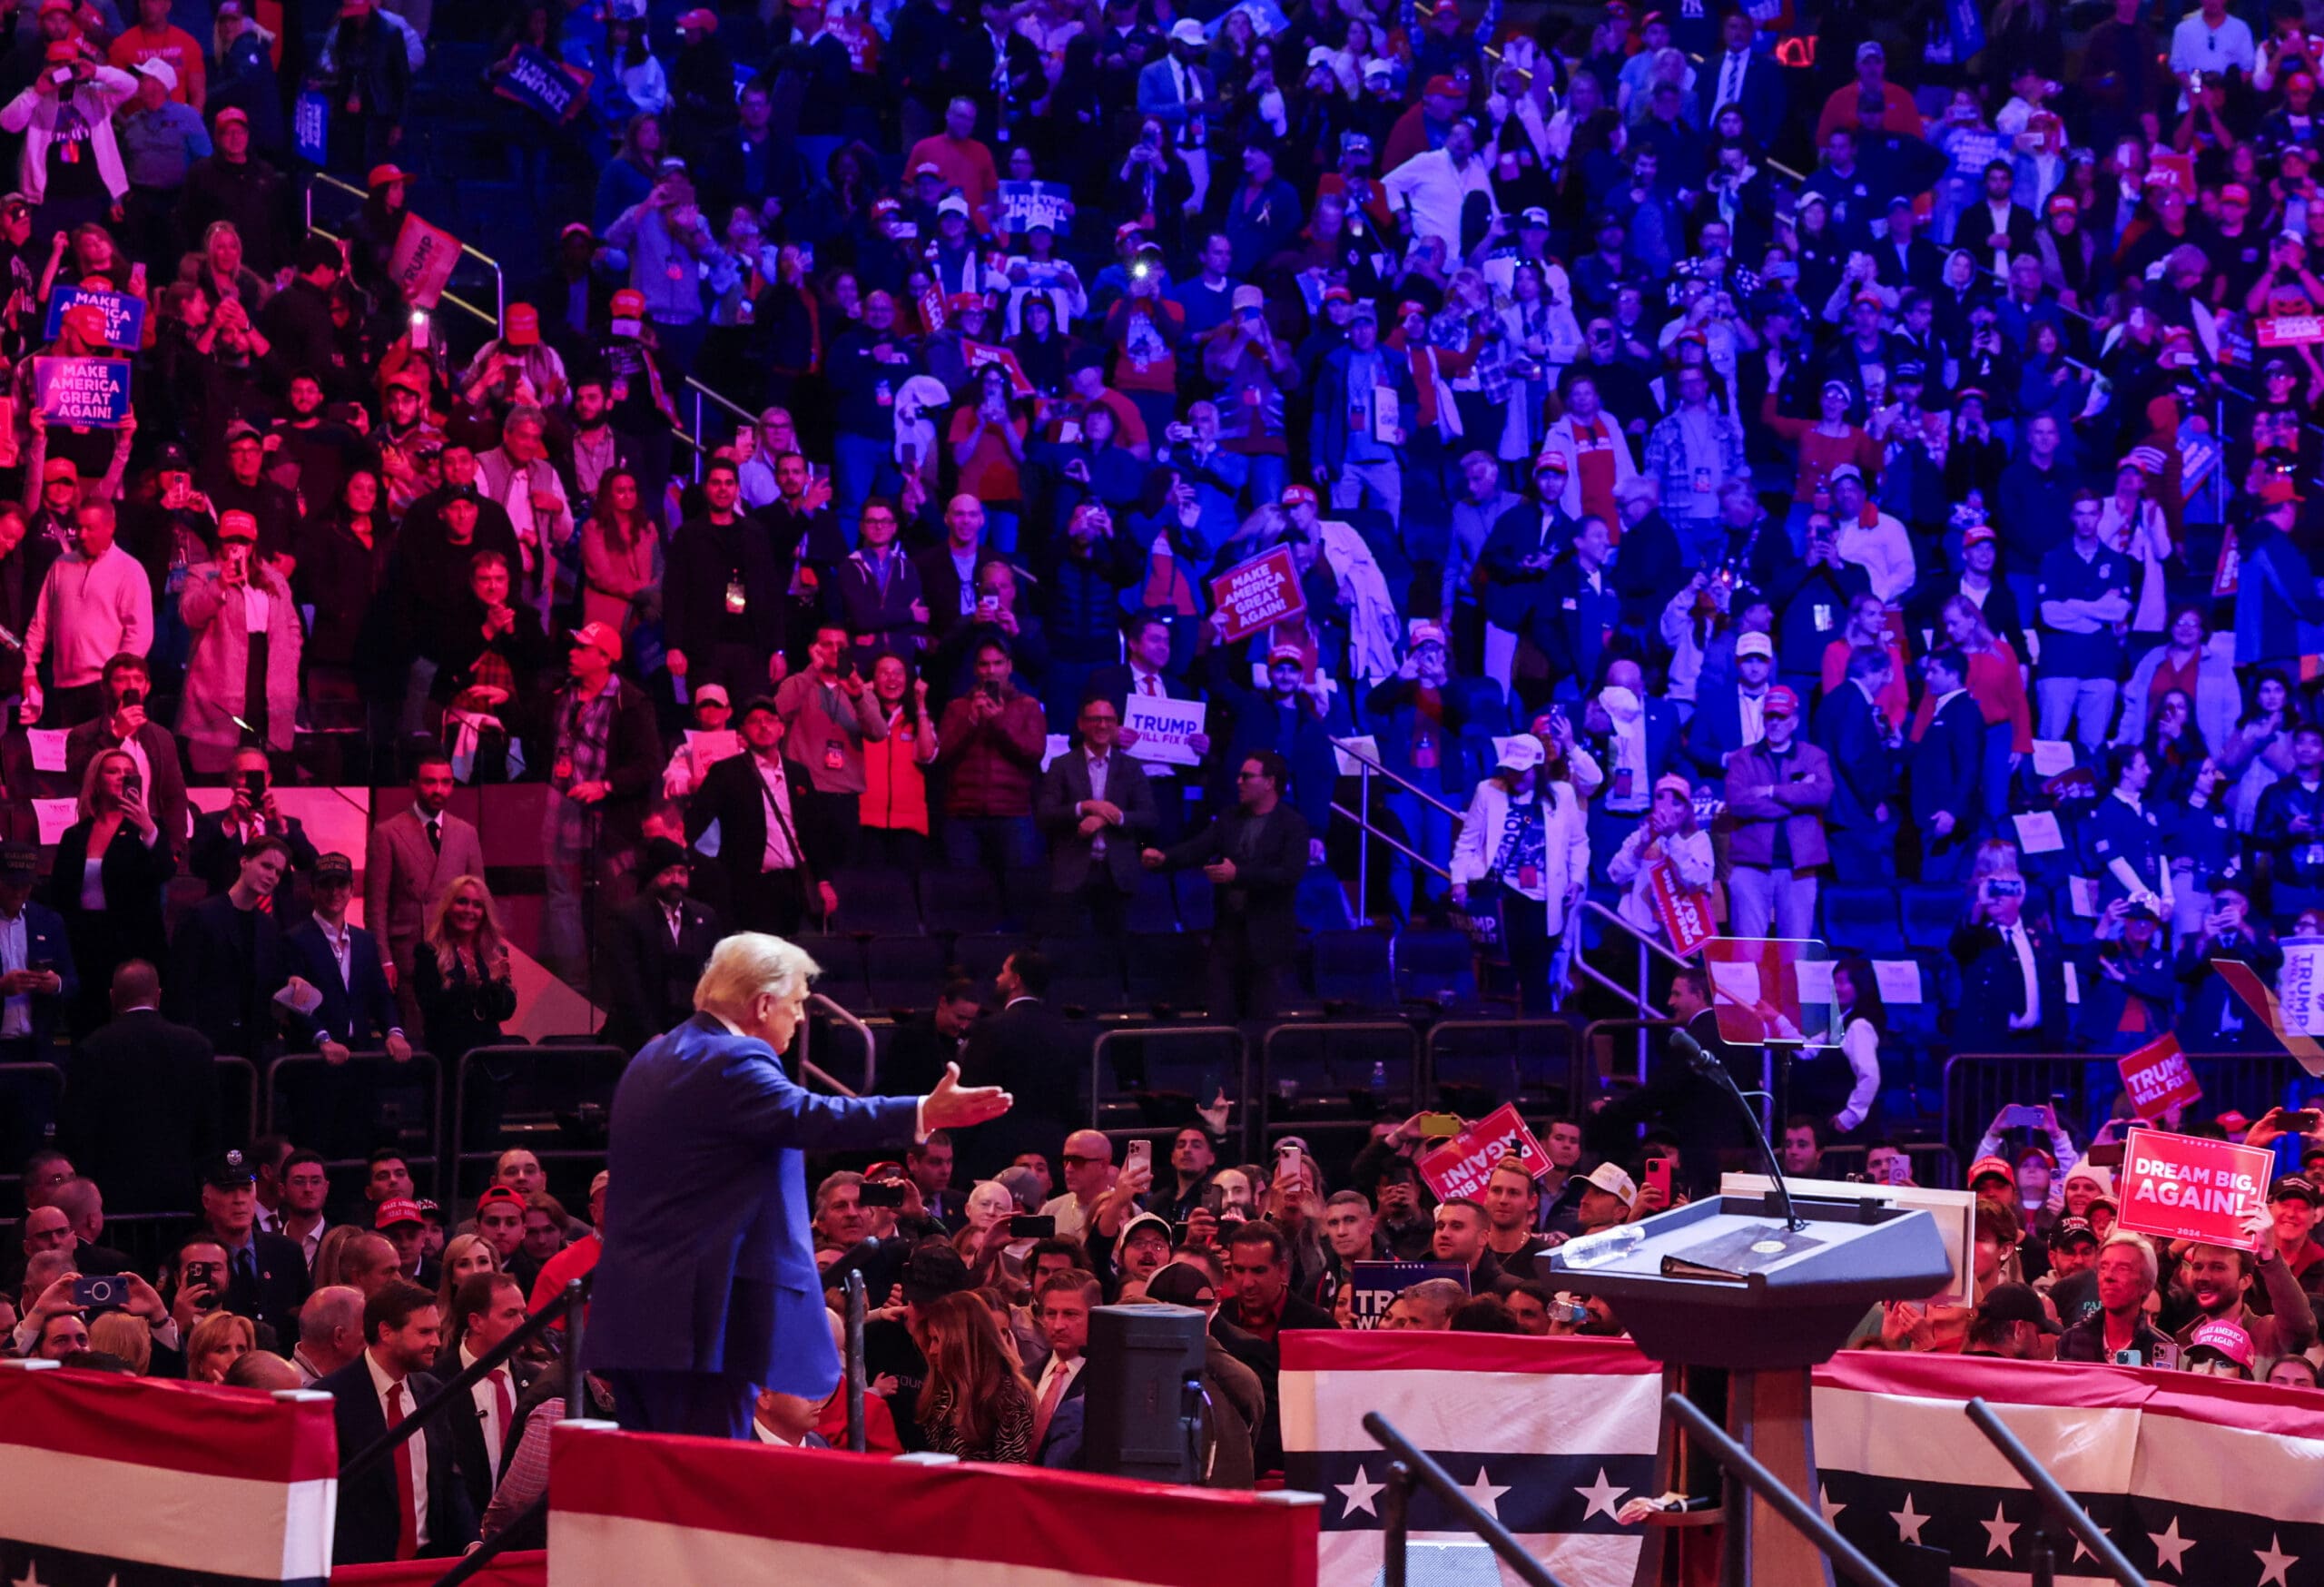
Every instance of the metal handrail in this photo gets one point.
(1411, 1468)
(249, 1073)
(1563, 1028)
(728, 403)
(454, 1149)
(499, 315)
(871, 1047)
(1350, 749)
(1416, 857)
(433, 1160)
(570, 1312)
(1264, 1097)
(1242, 1110)
(1614, 917)
(1741, 1468)
(2054, 1497)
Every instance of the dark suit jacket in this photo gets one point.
(1064, 788)
(632, 761)
(733, 796)
(165, 798)
(1259, 901)
(1717, 730)
(1863, 768)
(1761, 99)
(361, 1015)
(1060, 1447)
(279, 1289)
(1027, 1049)
(653, 978)
(694, 585)
(709, 1266)
(1992, 988)
(217, 858)
(480, 1469)
(223, 990)
(141, 1111)
(367, 1528)
(1946, 764)
(130, 927)
(1975, 223)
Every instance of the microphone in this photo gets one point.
(1710, 1069)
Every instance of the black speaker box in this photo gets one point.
(1142, 1416)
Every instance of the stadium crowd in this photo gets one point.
(1662, 523)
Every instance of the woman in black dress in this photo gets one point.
(465, 985)
(111, 865)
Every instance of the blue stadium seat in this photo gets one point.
(1166, 967)
(1862, 919)
(1435, 967)
(1086, 972)
(953, 901)
(1321, 902)
(904, 971)
(1354, 967)
(1198, 909)
(1930, 912)
(1152, 908)
(875, 902)
(980, 956)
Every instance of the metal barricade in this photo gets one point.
(1611, 1032)
(2084, 1087)
(1270, 1092)
(1446, 1032)
(226, 1064)
(370, 1068)
(474, 1067)
(869, 1086)
(1220, 1035)
(1935, 1166)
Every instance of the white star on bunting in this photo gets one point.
(1485, 1495)
(2000, 1536)
(1604, 1496)
(2276, 1560)
(2082, 1549)
(1360, 1494)
(1824, 1503)
(2170, 1548)
(1908, 1524)
(31, 1578)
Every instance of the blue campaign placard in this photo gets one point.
(87, 393)
(311, 127)
(125, 315)
(1379, 1283)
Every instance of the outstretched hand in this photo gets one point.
(953, 1106)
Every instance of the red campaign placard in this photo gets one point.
(2191, 1187)
(1259, 593)
(2290, 329)
(2228, 576)
(1461, 1166)
(2159, 1077)
(2180, 169)
(1685, 916)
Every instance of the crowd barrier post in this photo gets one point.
(1329, 1030)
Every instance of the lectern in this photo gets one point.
(1730, 1283)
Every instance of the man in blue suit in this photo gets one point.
(342, 962)
(707, 1289)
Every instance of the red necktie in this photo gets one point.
(407, 1508)
(1046, 1409)
(508, 1408)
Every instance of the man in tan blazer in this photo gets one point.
(411, 858)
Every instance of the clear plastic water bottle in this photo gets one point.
(1603, 1249)
(1379, 1079)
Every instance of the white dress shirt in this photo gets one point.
(385, 1387)
(777, 855)
(2023, 945)
(15, 951)
(487, 1406)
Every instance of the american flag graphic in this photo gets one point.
(129, 1482)
(1549, 1436)
(2197, 1480)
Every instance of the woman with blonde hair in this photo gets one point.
(219, 271)
(217, 1342)
(464, 1258)
(976, 1404)
(124, 1337)
(463, 980)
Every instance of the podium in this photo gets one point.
(1724, 1283)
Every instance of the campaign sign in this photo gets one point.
(2290, 329)
(1165, 728)
(1259, 593)
(549, 88)
(1027, 204)
(1461, 1165)
(1685, 916)
(422, 260)
(1378, 1284)
(311, 127)
(125, 315)
(1966, 21)
(2159, 1077)
(90, 393)
(2189, 1188)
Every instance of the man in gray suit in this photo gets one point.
(412, 857)
(1098, 810)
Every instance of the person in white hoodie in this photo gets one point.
(71, 166)
(1526, 837)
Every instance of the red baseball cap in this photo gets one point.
(236, 525)
(2224, 1337)
(498, 1195)
(400, 1210)
(2279, 490)
(1441, 86)
(600, 637)
(1295, 495)
(1984, 1165)
(1780, 702)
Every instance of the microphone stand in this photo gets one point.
(1714, 1073)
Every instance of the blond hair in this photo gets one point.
(487, 930)
(747, 964)
(121, 1335)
